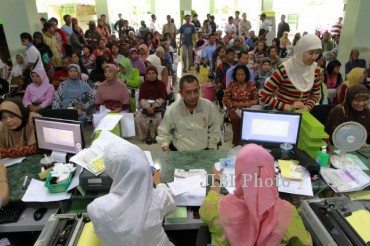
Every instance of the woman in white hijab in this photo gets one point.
(132, 212)
(296, 84)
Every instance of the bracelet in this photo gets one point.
(4, 180)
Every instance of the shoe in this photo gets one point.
(149, 141)
(154, 141)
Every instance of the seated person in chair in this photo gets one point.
(39, 94)
(74, 93)
(191, 123)
(112, 93)
(152, 98)
(252, 215)
(354, 108)
(241, 93)
(17, 136)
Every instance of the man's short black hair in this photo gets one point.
(195, 15)
(237, 12)
(54, 20)
(241, 53)
(230, 50)
(187, 16)
(103, 15)
(152, 16)
(211, 35)
(26, 36)
(46, 26)
(66, 16)
(230, 18)
(188, 79)
(245, 69)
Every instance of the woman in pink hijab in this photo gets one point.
(252, 215)
(39, 94)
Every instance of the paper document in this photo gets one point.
(360, 221)
(290, 169)
(295, 186)
(11, 161)
(108, 122)
(128, 125)
(37, 192)
(76, 178)
(193, 197)
(92, 158)
(350, 178)
(187, 184)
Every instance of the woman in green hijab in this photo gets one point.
(128, 74)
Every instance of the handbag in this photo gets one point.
(160, 109)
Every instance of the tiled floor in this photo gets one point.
(156, 147)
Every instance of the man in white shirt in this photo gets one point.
(33, 55)
(230, 27)
(191, 123)
(153, 26)
(264, 27)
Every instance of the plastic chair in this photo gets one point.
(321, 112)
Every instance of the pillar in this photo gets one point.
(184, 5)
(101, 7)
(355, 31)
(18, 16)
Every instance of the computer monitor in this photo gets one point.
(270, 128)
(59, 135)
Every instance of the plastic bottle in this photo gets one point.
(322, 157)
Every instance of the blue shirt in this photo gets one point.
(68, 30)
(208, 51)
(187, 32)
(351, 65)
(229, 75)
(250, 43)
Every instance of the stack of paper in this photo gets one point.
(180, 186)
(350, 178)
(192, 197)
(37, 192)
(294, 179)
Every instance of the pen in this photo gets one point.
(362, 154)
(26, 182)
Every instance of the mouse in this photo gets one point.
(39, 213)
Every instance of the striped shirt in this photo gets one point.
(286, 93)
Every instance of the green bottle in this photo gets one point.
(322, 157)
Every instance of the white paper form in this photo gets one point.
(187, 184)
(194, 197)
(108, 122)
(11, 161)
(76, 178)
(37, 192)
(297, 187)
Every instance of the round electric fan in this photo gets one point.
(347, 137)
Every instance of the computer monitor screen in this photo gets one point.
(59, 135)
(270, 128)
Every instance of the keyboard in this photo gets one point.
(11, 212)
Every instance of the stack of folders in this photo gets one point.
(347, 179)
